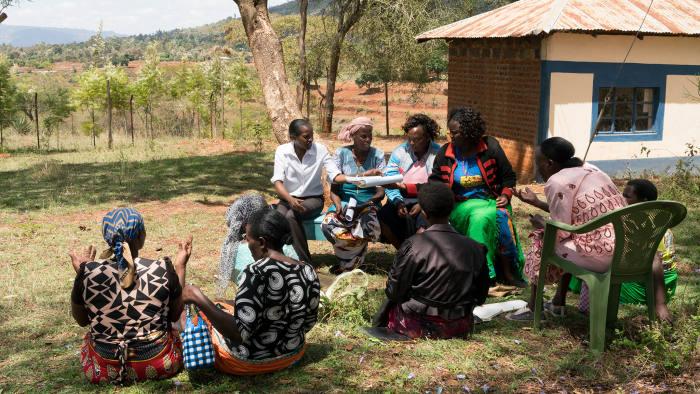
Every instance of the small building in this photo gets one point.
(542, 68)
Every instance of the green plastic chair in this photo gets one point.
(638, 230)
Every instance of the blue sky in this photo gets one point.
(123, 16)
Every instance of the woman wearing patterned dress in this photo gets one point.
(476, 168)
(275, 306)
(129, 303)
(576, 193)
(351, 237)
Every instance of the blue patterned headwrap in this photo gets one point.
(121, 225)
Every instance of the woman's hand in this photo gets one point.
(297, 204)
(191, 294)
(401, 210)
(372, 172)
(526, 195)
(537, 221)
(502, 201)
(400, 185)
(415, 210)
(77, 258)
(184, 251)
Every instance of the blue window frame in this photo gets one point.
(631, 110)
(632, 75)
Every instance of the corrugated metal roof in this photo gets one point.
(534, 17)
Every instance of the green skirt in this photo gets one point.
(634, 292)
(476, 219)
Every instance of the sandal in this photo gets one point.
(523, 314)
(554, 310)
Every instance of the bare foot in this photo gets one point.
(663, 313)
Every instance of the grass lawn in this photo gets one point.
(52, 202)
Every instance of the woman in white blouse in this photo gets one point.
(297, 180)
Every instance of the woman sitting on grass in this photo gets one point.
(350, 238)
(481, 178)
(400, 217)
(275, 306)
(438, 276)
(129, 303)
(577, 193)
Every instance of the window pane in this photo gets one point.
(623, 125)
(643, 124)
(623, 94)
(645, 109)
(605, 126)
(607, 111)
(603, 93)
(623, 111)
(644, 94)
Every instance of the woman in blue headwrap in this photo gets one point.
(129, 303)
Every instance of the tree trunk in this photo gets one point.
(36, 119)
(109, 116)
(94, 132)
(386, 105)
(212, 115)
(303, 85)
(348, 13)
(240, 121)
(269, 63)
(131, 117)
(336, 47)
(223, 119)
(308, 100)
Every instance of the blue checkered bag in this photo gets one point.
(197, 350)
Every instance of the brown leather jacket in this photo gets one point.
(439, 273)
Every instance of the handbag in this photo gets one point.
(197, 349)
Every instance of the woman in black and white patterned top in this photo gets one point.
(276, 303)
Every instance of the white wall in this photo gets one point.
(612, 49)
(570, 111)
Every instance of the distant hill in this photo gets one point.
(193, 44)
(292, 7)
(26, 36)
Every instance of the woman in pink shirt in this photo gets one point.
(576, 193)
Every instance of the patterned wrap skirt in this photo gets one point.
(225, 361)
(350, 240)
(160, 359)
(434, 327)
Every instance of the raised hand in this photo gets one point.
(184, 251)
(85, 256)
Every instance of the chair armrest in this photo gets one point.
(582, 229)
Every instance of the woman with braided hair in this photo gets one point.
(129, 303)
(481, 177)
(401, 216)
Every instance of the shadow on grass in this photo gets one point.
(376, 263)
(56, 183)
